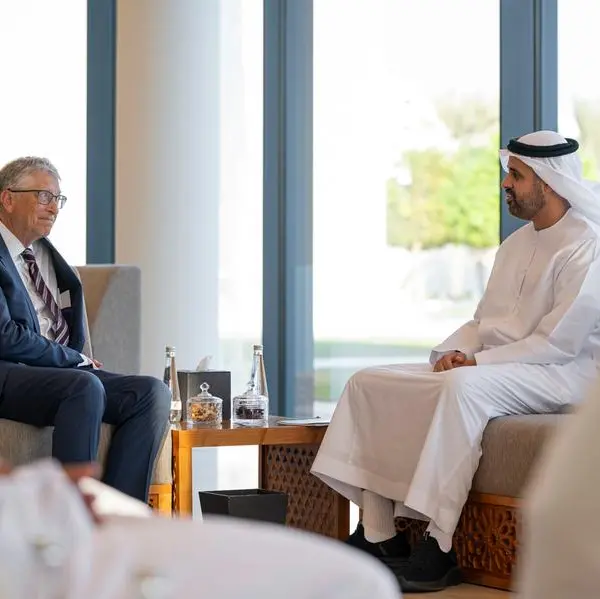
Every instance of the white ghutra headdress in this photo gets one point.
(554, 160)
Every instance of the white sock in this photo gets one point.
(378, 517)
(444, 540)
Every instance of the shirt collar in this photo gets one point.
(13, 245)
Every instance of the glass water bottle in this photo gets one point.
(258, 376)
(251, 408)
(170, 379)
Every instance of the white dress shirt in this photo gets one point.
(44, 262)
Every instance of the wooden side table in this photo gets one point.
(286, 456)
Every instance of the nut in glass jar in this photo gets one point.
(205, 409)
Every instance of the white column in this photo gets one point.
(167, 171)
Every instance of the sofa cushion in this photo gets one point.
(511, 445)
(22, 443)
(112, 301)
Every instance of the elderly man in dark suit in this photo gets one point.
(45, 380)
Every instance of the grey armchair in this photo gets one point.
(113, 302)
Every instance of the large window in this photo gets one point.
(240, 214)
(239, 146)
(578, 85)
(406, 198)
(43, 49)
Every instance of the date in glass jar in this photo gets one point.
(205, 409)
(251, 408)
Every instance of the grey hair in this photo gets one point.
(14, 171)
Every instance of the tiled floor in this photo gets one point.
(466, 591)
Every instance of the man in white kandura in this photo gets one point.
(405, 440)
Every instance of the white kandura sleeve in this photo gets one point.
(562, 333)
(465, 339)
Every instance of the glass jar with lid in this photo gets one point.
(204, 409)
(251, 408)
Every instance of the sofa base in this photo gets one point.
(485, 540)
(160, 498)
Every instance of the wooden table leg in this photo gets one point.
(160, 499)
(182, 480)
(312, 505)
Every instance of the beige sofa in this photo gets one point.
(487, 538)
(112, 299)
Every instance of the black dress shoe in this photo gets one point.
(396, 547)
(428, 569)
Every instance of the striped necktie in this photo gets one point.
(60, 327)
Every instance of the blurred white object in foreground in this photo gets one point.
(560, 553)
(50, 549)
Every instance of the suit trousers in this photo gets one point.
(75, 401)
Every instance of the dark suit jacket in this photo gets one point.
(20, 338)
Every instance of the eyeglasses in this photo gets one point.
(44, 196)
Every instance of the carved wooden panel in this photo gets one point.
(485, 541)
(312, 505)
(414, 529)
